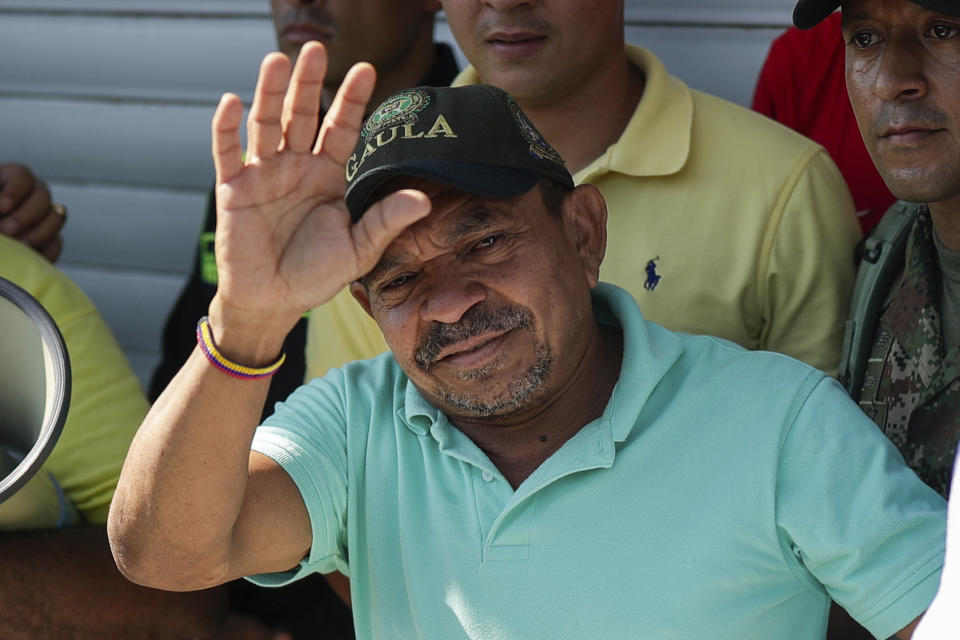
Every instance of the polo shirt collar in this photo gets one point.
(647, 357)
(656, 140)
(418, 414)
(649, 352)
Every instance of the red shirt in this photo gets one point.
(802, 86)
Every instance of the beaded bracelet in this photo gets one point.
(209, 348)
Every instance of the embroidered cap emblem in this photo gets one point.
(539, 147)
(401, 108)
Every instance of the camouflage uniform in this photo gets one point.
(912, 382)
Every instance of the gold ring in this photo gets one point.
(60, 210)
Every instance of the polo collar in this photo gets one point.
(418, 414)
(656, 140)
(649, 352)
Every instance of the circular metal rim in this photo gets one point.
(50, 432)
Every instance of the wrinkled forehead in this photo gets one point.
(456, 218)
(456, 214)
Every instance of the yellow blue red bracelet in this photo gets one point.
(209, 348)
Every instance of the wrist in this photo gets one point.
(251, 339)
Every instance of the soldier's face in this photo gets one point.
(538, 51)
(903, 77)
(381, 32)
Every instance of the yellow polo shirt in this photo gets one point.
(107, 404)
(720, 221)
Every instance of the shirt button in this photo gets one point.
(487, 476)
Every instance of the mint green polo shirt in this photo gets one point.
(722, 494)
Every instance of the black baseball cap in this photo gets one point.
(474, 138)
(809, 13)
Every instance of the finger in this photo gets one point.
(264, 129)
(29, 211)
(225, 131)
(383, 222)
(341, 126)
(16, 181)
(301, 108)
(43, 230)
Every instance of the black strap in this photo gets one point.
(882, 260)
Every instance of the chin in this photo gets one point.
(473, 408)
(500, 401)
(920, 184)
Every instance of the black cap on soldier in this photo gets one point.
(809, 13)
(474, 138)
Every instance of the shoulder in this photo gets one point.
(723, 122)
(721, 364)
(761, 384)
(354, 391)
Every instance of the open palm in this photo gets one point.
(285, 242)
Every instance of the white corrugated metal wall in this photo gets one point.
(110, 102)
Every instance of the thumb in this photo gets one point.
(383, 222)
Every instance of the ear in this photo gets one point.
(432, 6)
(585, 214)
(359, 292)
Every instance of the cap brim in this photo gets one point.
(810, 13)
(480, 179)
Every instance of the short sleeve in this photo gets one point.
(306, 436)
(855, 517)
(808, 275)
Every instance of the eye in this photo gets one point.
(862, 39)
(942, 31)
(397, 282)
(488, 242)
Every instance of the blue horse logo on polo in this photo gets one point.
(653, 278)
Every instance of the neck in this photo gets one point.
(946, 221)
(517, 448)
(411, 71)
(408, 73)
(581, 125)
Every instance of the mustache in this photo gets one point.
(476, 321)
(892, 115)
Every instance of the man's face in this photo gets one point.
(381, 32)
(903, 77)
(539, 51)
(484, 303)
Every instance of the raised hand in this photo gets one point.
(285, 243)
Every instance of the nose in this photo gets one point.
(900, 73)
(449, 298)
